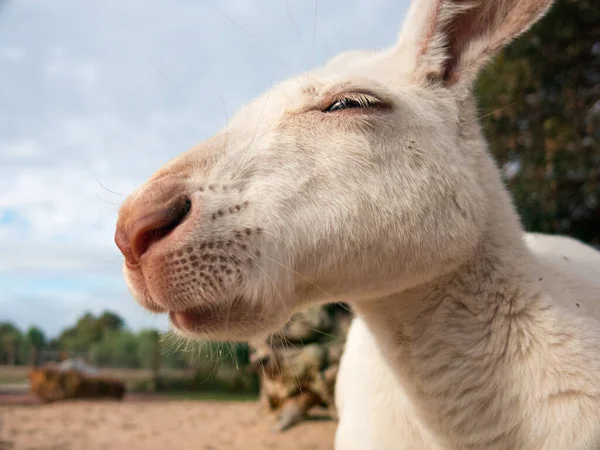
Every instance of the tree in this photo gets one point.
(10, 339)
(89, 330)
(36, 340)
(149, 353)
(542, 100)
(117, 348)
(110, 321)
(149, 348)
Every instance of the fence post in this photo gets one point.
(155, 361)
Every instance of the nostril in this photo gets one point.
(122, 241)
(153, 227)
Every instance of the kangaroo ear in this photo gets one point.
(450, 40)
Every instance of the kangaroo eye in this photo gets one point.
(344, 103)
(360, 101)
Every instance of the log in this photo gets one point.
(51, 384)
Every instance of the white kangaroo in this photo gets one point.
(369, 181)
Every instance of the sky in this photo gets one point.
(97, 95)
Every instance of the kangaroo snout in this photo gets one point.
(150, 216)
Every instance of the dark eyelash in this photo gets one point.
(355, 101)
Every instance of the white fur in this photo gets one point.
(374, 409)
(472, 338)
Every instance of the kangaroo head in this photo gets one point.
(356, 180)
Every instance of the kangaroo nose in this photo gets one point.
(149, 219)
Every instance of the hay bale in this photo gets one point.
(50, 384)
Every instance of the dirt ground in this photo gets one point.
(149, 424)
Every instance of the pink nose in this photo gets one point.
(150, 217)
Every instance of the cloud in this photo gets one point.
(12, 53)
(97, 95)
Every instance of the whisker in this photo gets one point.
(160, 72)
(292, 361)
(314, 32)
(491, 113)
(345, 307)
(226, 121)
(214, 368)
(106, 201)
(173, 342)
(300, 275)
(107, 189)
(305, 278)
(274, 286)
(327, 294)
(252, 37)
(316, 331)
(289, 11)
(206, 101)
(255, 135)
(234, 355)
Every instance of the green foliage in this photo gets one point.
(148, 346)
(17, 347)
(36, 337)
(10, 343)
(216, 354)
(541, 99)
(89, 330)
(174, 358)
(116, 348)
(34, 341)
(110, 321)
(205, 380)
(109, 344)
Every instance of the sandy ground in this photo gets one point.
(139, 423)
